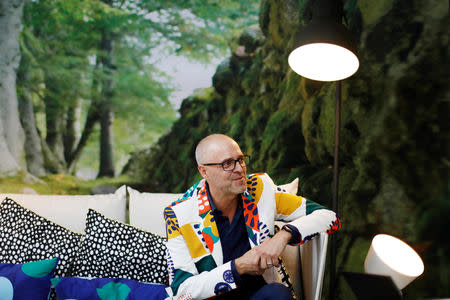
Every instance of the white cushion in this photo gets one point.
(70, 211)
(146, 210)
(291, 187)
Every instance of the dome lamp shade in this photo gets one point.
(324, 49)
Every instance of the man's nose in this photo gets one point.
(238, 167)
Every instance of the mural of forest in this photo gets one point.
(78, 87)
(87, 83)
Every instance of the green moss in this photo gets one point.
(327, 119)
(264, 17)
(205, 94)
(273, 129)
(250, 80)
(235, 124)
(372, 10)
(274, 26)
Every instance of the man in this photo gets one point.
(219, 232)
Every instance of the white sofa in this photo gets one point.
(146, 213)
(70, 211)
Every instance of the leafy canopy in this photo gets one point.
(61, 40)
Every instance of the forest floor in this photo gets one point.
(56, 184)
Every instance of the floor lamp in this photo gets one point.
(325, 51)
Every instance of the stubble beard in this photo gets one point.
(240, 187)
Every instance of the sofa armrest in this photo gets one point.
(306, 266)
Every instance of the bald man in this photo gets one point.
(220, 232)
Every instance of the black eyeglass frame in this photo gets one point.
(241, 160)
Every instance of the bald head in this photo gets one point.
(210, 145)
(211, 153)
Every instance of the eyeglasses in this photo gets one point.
(230, 164)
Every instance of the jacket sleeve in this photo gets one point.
(193, 272)
(309, 217)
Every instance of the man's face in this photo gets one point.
(226, 183)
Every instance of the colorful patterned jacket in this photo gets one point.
(195, 257)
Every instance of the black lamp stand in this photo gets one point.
(334, 204)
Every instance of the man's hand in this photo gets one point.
(264, 256)
(271, 249)
(248, 263)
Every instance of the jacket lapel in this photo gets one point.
(251, 217)
(208, 232)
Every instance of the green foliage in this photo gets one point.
(62, 58)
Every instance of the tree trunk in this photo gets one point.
(106, 142)
(91, 119)
(72, 132)
(51, 162)
(11, 132)
(8, 164)
(55, 119)
(106, 112)
(33, 149)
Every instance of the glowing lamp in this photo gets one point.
(324, 49)
(323, 62)
(392, 257)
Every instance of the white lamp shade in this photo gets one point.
(323, 62)
(390, 256)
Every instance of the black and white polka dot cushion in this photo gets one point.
(116, 250)
(26, 236)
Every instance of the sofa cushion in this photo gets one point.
(70, 210)
(27, 281)
(26, 236)
(113, 249)
(146, 210)
(291, 187)
(106, 288)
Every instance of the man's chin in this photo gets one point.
(240, 186)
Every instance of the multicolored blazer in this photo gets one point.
(196, 266)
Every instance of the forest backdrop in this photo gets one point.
(85, 73)
(395, 136)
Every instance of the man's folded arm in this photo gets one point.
(305, 218)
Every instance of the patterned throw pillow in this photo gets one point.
(27, 281)
(116, 250)
(108, 288)
(26, 236)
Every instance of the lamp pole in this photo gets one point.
(334, 204)
(326, 51)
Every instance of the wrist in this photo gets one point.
(288, 229)
(236, 275)
(237, 266)
(285, 235)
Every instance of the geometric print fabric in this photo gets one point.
(26, 281)
(112, 249)
(107, 289)
(26, 236)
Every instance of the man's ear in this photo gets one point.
(202, 170)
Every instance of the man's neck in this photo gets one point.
(227, 204)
